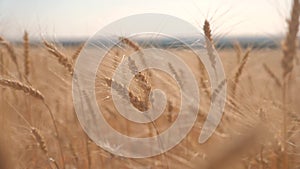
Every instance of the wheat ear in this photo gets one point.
(62, 59)
(209, 43)
(12, 54)
(42, 144)
(1, 63)
(289, 44)
(238, 50)
(40, 140)
(26, 54)
(240, 70)
(207, 31)
(23, 87)
(77, 52)
(130, 43)
(272, 75)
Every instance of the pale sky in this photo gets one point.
(83, 18)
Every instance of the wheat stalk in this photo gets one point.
(16, 85)
(236, 148)
(289, 52)
(42, 144)
(77, 52)
(4, 160)
(240, 69)
(238, 50)
(37, 136)
(135, 46)
(138, 102)
(132, 66)
(272, 75)
(209, 43)
(289, 44)
(26, 54)
(62, 59)
(207, 31)
(176, 75)
(40, 140)
(130, 43)
(23, 87)
(1, 63)
(12, 54)
(217, 91)
(120, 88)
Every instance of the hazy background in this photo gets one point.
(83, 18)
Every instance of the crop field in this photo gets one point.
(259, 129)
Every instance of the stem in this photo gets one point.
(284, 127)
(56, 133)
(88, 152)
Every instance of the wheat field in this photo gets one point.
(260, 128)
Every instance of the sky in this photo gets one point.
(83, 18)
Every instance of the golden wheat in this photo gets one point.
(1, 63)
(289, 44)
(272, 75)
(77, 52)
(239, 71)
(23, 87)
(130, 43)
(207, 31)
(40, 140)
(62, 59)
(287, 63)
(12, 54)
(26, 54)
(238, 50)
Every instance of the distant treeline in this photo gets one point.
(222, 43)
